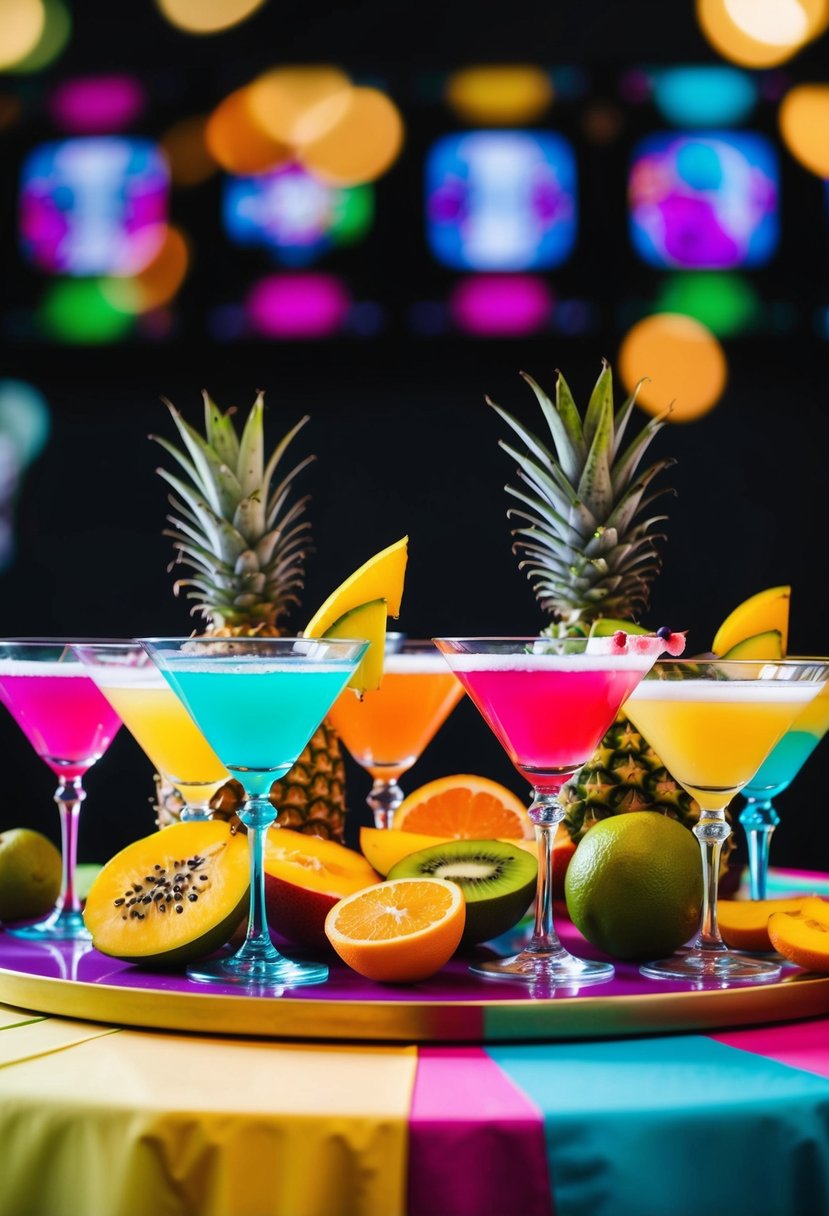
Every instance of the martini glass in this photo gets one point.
(759, 817)
(548, 702)
(388, 729)
(713, 724)
(70, 725)
(257, 701)
(157, 720)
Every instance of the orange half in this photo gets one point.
(465, 807)
(398, 931)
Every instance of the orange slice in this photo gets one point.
(398, 931)
(465, 807)
(802, 936)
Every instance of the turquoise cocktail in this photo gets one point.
(257, 701)
(759, 817)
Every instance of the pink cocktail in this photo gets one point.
(70, 724)
(549, 701)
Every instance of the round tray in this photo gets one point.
(73, 980)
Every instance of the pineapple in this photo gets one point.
(591, 551)
(243, 534)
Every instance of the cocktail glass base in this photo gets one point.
(554, 969)
(721, 966)
(59, 927)
(258, 973)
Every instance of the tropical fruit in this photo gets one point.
(384, 847)
(634, 885)
(802, 935)
(744, 923)
(30, 874)
(589, 543)
(304, 877)
(368, 621)
(464, 807)
(171, 897)
(766, 611)
(766, 645)
(498, 880)
(398, 931)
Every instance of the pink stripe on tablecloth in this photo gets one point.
(476, 1144)
(799, 1044)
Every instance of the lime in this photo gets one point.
(634, 885)
(30, 874)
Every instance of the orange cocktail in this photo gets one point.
(389, 729)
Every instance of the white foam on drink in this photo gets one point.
(30, 667)
(777, 692)
(112, 676)
(421, 664)
(550, 662)
(235, 665)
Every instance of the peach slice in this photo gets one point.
(304, 877)
(744, 922)
(802, 936)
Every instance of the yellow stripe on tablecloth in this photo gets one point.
(143, 1122)
(9, 1016)
(31, 1039)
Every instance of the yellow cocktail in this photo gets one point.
(158, 721)
(713, 724)
(388, 730)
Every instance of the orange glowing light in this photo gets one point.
(804, 126)
(357, 136)
(502, 94)
(236, 141)
(157, 283)
(54, 36)
(281, 99)
(207, 16)
(684, 364)
(760, 33)
(21, 27)
(186, 150)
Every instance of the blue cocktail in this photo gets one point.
(257, 701)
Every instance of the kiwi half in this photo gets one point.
(498, 880)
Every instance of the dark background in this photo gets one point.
(404, 440)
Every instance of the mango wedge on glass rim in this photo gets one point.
(359, 606)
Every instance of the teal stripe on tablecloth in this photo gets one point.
(676, 1126)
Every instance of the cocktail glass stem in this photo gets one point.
(544, 960)
(66, 921)
(711, 831)
(384, 799)
(258, 962)
(759, 819)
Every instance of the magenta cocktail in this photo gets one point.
(70, 724)
(549, 701)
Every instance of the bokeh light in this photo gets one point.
(54, 37)
(188, 156)
(236, 140)
(24, 418)
(78, 312)
(804, 126)
(157, 283)
(501, 306)
(21, 25)
(704, 95)
(351, 137)
(97, 105)
(298, 306)
(279, 101)
(760, 33)
(683, 363)
(726, 303)
(207, 16)
(500, 94)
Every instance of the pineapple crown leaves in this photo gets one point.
(585, 541)
(245, 542)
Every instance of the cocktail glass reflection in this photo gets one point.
(257, 701)
(548, 702)
(714, 723)
(387, 731)
(759, 817)
(157, 720)
(70, 724)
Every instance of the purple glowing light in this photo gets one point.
(298, 306)
(501, 305)
(97, 105)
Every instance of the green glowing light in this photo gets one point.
(726, 303)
